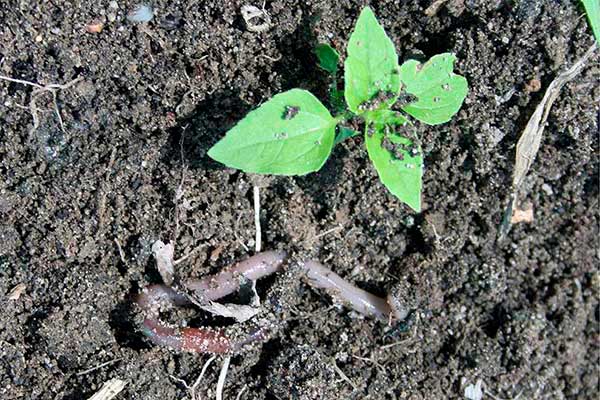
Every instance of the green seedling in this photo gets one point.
(294, 133)
(592, 9)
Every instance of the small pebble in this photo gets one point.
(171, 22)
(141, 13)
(547, 189)
(533, 85)
(94, 27)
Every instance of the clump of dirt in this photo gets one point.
(81, 207)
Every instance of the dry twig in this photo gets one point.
(92, 369)
(37, 92)
(343, 376)
(433, 9)
(192, 390)
(109, 390)
(531, 138)
(258, 239)
(222, 377)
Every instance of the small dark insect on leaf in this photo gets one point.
(387, 144)
(396, 149)
(370, 130)
(376, 101)
(290, 112)
(405, 99)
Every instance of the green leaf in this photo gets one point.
(439, 91)
(343, 134)
(397, 158)
(291, 134)
(328, 58)
(592, 9)
(336, 99)
(371, 79)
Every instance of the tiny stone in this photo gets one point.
(534, 85)
(141, 13)
(505, 40)
(547, 189)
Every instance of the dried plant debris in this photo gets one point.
(433, 9)
(529, 142)
(257, 19)
(522, 215)
(239, 312)
(109, 390)
(16, 292)
(163, 254)
(474, 392)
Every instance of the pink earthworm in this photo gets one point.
(360, 300)
(213, 287)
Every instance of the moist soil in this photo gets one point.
(81, 205)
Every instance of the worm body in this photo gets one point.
(198, 340)
(360, 300)
(214, 287)
(153, 296)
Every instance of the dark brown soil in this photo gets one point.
(522, 315)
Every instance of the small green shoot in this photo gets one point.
(592, 9)
(293, 133)
(328, 58)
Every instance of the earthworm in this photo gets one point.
(212, 287)
(360, 300)
(226, 282)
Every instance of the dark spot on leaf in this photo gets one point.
(377, 100)
(290, 112)
(397, 150)
(405, 99)
(370, 130)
